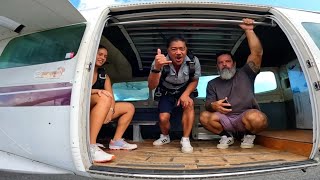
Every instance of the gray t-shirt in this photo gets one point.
(175, 80)
(239, 90)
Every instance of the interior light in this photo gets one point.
(11, 24)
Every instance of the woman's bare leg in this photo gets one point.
(100, 106)
(125, 112)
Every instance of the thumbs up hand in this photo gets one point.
(160, 60)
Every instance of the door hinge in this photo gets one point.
(89, 66)
(316, 85)
(309, 63)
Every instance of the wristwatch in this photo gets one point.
(155, 70)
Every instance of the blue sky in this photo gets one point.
(313, 5)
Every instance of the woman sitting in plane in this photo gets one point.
(104, 109)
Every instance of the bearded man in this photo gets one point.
(230, 101)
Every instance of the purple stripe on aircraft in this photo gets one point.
(46, 98)
(56, 95)
(34, 87)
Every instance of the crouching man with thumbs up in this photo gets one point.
(176, 77)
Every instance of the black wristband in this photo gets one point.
(155, 70)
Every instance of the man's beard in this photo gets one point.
(226, 73)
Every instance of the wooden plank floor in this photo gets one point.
(294, 141)
(205, 156)
(291, 135)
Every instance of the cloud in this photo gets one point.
(89, 4)
(311, 5)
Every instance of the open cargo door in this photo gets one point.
(41, 58)
(306, 26)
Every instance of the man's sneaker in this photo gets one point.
(248, 141)
(98, 155)
(121, 144)
(164, 139)
(225, 142)
(186, 146)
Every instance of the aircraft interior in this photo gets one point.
(132, 37)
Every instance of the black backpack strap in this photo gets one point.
(164, 73)
(102, 76)
(161, 88)
(102, 73)
(191, 65)
(192, 70)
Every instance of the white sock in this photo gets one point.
(165, 135)
(185, 139)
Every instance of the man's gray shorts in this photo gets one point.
(232, 123)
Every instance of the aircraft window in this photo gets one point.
(135, 91)
(265, 81)
(42, 47)
(202, 85)
(131, 91)
(313, 29)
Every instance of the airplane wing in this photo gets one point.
(36, 15)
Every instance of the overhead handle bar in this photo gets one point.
(189, 20)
